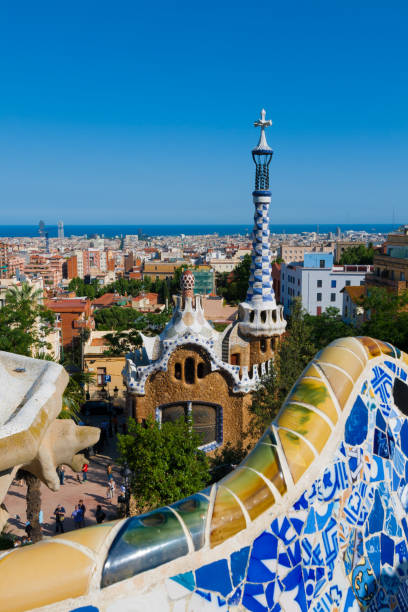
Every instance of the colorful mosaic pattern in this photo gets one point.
(315, 518)
(260, 280)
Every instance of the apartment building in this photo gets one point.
(318, 282)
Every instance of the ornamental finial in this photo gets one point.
(263, 123)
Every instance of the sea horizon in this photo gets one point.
(153, 230)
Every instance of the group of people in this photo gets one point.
(61, 473)
(78, 515)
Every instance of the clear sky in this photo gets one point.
(142, 112)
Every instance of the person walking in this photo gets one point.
(111, 489)
(84, 472)
(99, 514)
(61, 474)
(81, 506)
(59, 513)
(109, 472)
(77, 515)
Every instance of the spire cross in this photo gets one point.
(262, 122)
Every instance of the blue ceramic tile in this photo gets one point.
(272, 593)
(186, 580)
(239, 561)
(203, 594)
(404, 438)
(215, 577)
(297, 525)
(85, 609)
(321, 520)
(294, 580)
(374, 554)
(258, 572)
(265, 547)
(387, 550)
(381, 444)
(248, 600)
(376, 518)
(311, 522)
(357, 423)
(294, 553)
(284, 530)
(235, 598)
(379, 421)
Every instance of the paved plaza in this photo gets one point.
(92, 492)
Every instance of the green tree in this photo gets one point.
(387, 316)
(122, 342)
(234, 289)
(357, 255)
(24, 322)
(164, 460)
(327, 327)
(294, 353)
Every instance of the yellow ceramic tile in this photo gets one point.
(92, 537)
(40, 575)
(298, 455)
(312, 371)
(307, 423)
(227, 518)
(251, 490)
(264, 458)
(309, 391)
(339, 382)
(352, 345)
(343, 359)
(387, 349)
(370, 346)
(404, 357)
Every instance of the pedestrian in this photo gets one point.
(61, 474)
(59, 518)
(111, 488)
(28, 529)
(109, 472)
(84, 472)
(82, 507)
(77, 516)
(99, 514)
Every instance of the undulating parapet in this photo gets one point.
(314, 518)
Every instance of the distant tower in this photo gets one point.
(338, 232)
(259, 315)
(60, 230)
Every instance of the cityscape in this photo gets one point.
(204, 309)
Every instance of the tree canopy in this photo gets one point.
(25, 322)
(234, 286)
(164, 461)
(388, 316)
(357, 255)
(122, 342)
(294, 353)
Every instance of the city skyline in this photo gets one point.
(146, 114)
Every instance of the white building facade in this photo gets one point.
(318, 282)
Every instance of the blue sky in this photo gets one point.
(142, 112)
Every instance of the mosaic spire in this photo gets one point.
(260, 281)
(259, 315)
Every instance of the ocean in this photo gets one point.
(110, 231)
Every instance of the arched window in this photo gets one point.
(263, 316)
(200, 370)
(262, 345)
(251, 316)
(189, 370)
(205, 422)
(177, 370)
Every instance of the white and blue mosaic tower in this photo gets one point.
(259, 315)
